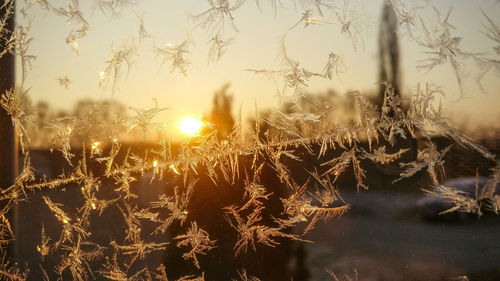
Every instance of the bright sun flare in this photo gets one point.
(190, 126)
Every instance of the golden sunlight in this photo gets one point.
(190, 126)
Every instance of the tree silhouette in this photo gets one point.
(388, 53)
(221, 115)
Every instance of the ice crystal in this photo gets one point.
(64, 81)
(197, 240)
(15, 104)
(113, 271)
(72, 12)
(443, 47)
(137, 250)
(309, 19)
(61, 138)
(244, 277)
(177, 206)
(7, 37)
(462, 201)
(44, 248)
(219, 12)
(175, 55)
(273, 3)
(296, 77)
(10, 270)
(113, 71)
(406, 12)
(300, 147)
(112, 8)
(21, 42)
(144, 117)
(192, 278)
(76, 260)
(343, 277)
(252, 232)
(218, 47)
(75, 34)
(429, 158)
(142, 29)
(486, 64)
(353, 23)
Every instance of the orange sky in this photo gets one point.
(256, 46)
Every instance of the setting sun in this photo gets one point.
(190, 126)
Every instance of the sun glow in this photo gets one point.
(190, 126)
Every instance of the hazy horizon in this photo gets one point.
(256, 46)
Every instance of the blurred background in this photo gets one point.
(99, 70)
(257, 45)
